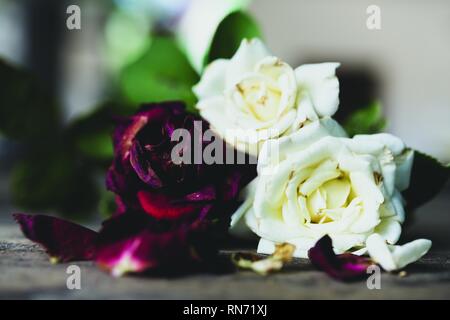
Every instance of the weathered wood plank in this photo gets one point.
(25, 272)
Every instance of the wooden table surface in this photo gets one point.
(26, 273)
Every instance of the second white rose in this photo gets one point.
(323, 184)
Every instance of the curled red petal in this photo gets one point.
(344, 267)
(63, 240)
(161, 206)
(142, 166)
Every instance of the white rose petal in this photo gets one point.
(245, 59)
(213, 80)
(393, 257)
(321, 84)
(389, 230)
(404, 165)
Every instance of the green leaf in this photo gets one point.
(161, 73)
(428, 177)
(229, 34)
(122, 27)
(91, 135)
(27, 112)
(368, 120)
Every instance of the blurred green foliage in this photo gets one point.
(366, 120)
(229, 34)
(91, 134)
(123, 27)
(161, 73)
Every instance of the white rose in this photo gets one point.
(322, 184)
(254, 96)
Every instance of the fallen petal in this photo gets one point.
(63, 240)
(344, 267)
(393, 257)
(283, 254)
(133, 243)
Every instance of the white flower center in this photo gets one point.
(323, 193)
(261, 98)
(267, 92)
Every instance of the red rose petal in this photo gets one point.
(344, 267)
(63, 240)
(132, 243)
(160, 206)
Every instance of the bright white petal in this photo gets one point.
(320, 81)
(251, 221)
(403, 173)
(212, 82)
(326, 171)
(270, 189)
(365, 188)
(265, 246)
(305, 109)
(379, 252)
(337, 192)
(302, 245)
(396, 257)
(397, 202)
(276, 230)
(245, 59)
(238, 225)
(360, 252)
(376, 143)
(333, 127)
(213, 111)
(390, 230)
(410, 252)
(344, 242)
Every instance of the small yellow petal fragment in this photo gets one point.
(283, 254)
(54, 260)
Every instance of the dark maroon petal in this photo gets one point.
(156, 115)
(161, 206)
(232, 185)
(124, 136)
(132, 243)
(63, 240)
(344, 267)
(142, 166)
(207, 194)
(116, 179)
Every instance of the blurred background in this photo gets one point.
(54, 140)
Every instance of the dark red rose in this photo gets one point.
(171, 217)
(145, 178)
